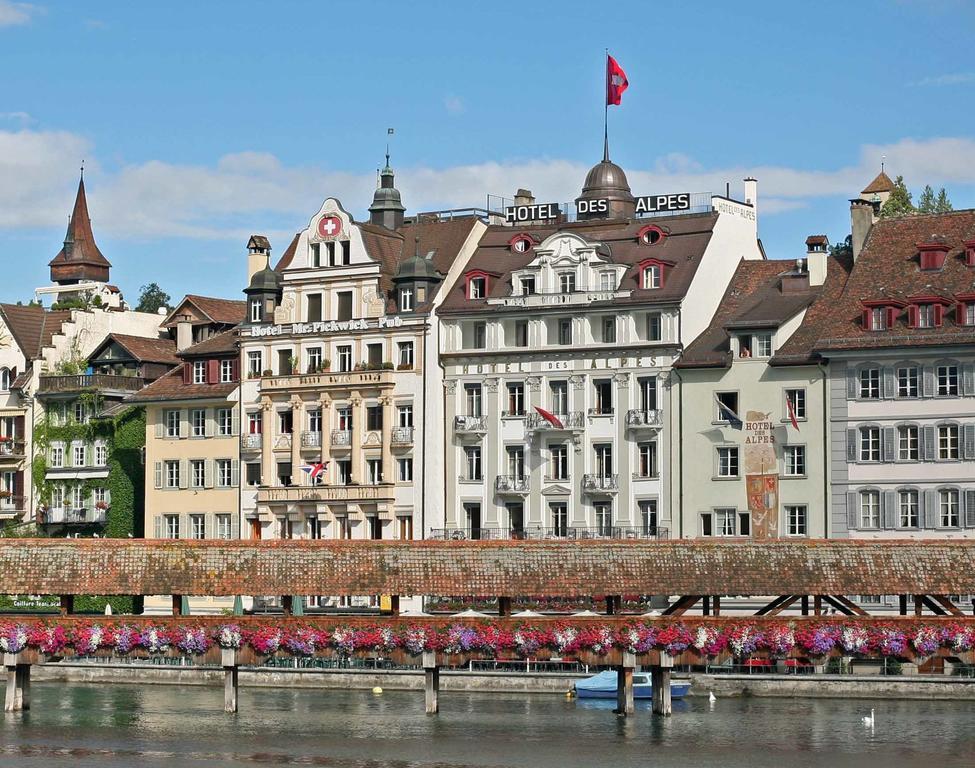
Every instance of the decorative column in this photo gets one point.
(325, 403)
(267, 441)
(297, 422)
(387, 404)
(355, 403)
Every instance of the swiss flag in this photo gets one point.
(551, 418)
(616, 81)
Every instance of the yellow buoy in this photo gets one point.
(377, 689)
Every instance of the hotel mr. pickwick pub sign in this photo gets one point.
(679, 201)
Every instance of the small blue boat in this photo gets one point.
(603, 686)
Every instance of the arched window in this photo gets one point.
(4, 379)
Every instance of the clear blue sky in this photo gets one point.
(201, 122)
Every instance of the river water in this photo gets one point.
(126, 725)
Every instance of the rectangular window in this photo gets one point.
(795, 515)
(730, 401)
(404, 415)
(285, 422)
(476, 288)
(344, 357)
(651, 276)
(797, 399)
(374, 471)
(101, 455)
(907, 381)
(559, 512)
(284, 473)
(80, 413)
(345, 418)
(516, 399)
(970, 313)
(869, 383)
(604, 460)
(609, 330)
(472, 395)
(647, 459)
(907, 443)
(405, 355)
(315, 421)
(254, 364)
(654, 327)
(405, 470)
(197, 473)
(762, 344)
(516, 461)
(224, 473)
(869, 509)
(171, 420)
(406, 300)
(878, 318)
(948, 442)
(603, 396)
(947, 380)
(314, 357)
(223, 526)
(344, 471)
(314, 307)
(565, 330)
(200, 372)
(374, 355)
(57, 456)
(79, 457)
(948, 505)
(172, 474)
(648, 517)
(795, 460)
(344, 305)
(316, 255)
(607, 281)
(253, 473)
(725, 522)
(172, 526)
(521, 333)
(375, 527)
(925, 316)
(604, 518)
(225, 422)
(226, 371)
(727, 461)
(528, 285)
(473, 457)
(255, 310)
(480, 335)
(374, 418)
(198, 526)
(559, 397)
(559, 462)
(198, 422)
(567, 282)
(869, 443)
(346, 247)
(255, 423)
(907, 504)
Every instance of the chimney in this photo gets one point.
(184, 333)
(817, 255)
(258, 253)
(751, 194)
(861, 220)
(524, 197)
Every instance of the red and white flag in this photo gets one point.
(314, 470)
(792, 412)
(616, 81)
(551, 418)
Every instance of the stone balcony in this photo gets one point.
(601, 484)
(470, 426)
(640, 419)
(11, 449)
(251, 442)
(512, 485)
(573, 421)
(401, 436)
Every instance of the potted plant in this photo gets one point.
(387, 366)
(102, 505)
(267, 372)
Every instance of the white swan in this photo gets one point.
(868, 721)
(711, 697)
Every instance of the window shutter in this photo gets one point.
(891, 316)
(159, 479)
(930, 443)
(930, 508)
(912, 316)
(160, 424)
(208, 473)
(234, 473)
(960, 313)
(184, 474)
(18, 489)
(234, 525)
(187, 373)
(968, 379)
(209, 425)
(234, 421)
(890, 444)
(969, 509)
(889, 517)
(866, 320)
(235, 370)
(851, 445)
(852, 510)
(968, 441)
(157, 523)
(890, 383)
(213, 371)
(939, 315)
(851, 383)
(19, 427)
(184, 424)
(927, 381)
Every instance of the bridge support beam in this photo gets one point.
(624, 685)
(18, 683)
(231, 684)
(431, 674)
(660, 682)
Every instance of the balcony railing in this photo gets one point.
(11, 447)
(88, 381)
(602, 411)
(639, 418)
(402, 436)
(319, 380)
(514, 414)
(535, 533)
(470, 424)
(341, 438)
(571, 420)
(74, 515)
(311, 439)
(251, 442)
(601, 483)
(12, 504)
(511, 484)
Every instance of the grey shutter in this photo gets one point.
(928, 452)
(158, 526)
(890, 383)
(969, 509)
(234, 421)
(890, 444)
(184, 475)
(851, 445)
(234, 473)
(968, 379)
(160, 425)
(184, 424)
(159, 477)
(852, 510)
(209, 425)
(927, 381)
(889, 512)
(852, 388)
(968, 441)
(208, 473)
(234, 525)
(930, 508)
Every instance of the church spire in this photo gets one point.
(80, 259)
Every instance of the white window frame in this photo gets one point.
(908, 442)
(869, 444)
(226, 371)
(797, 520)
(868, 383)
(728, 465)
(908, 381)
(224, 473)
(948, 442)
(794, 461)
(949, 514)
(199, 371)
(869, 509)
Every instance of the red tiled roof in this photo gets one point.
(220, 345)
(881, 183)
(33, 326)
(219, 311)
(566, 569)
(85, 250)
(288, 256)
(171, 387)
(143, 349)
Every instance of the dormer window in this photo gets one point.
(965, 309)
(926, 312)
(650, 235)
(521, 243)
(406, 300)
(653, 273)
(477, 288)
(255, 310)
(932, 255)
(607, 281)
(527, 285)
(926, 315)
(755, 345)
(567, 282)
(651, 276)
(878, 319)
(880, 315)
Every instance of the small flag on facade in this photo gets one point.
(726, 413)
(792, 412)
(616, 81)
(551, 418)
(314, 470)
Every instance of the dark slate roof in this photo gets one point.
(32, 326)
(143, 349)
(84, 249)
(569, 569)
(219, 311)
(220, 345)
(685, 243)
(889, 267)
(288, 256)
(171, 387)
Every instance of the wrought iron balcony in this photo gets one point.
(573, 420)
(470, 425)
(653, 419)
(534, 533)
(601, 483)
(341, 438)
(512, 484)
(402, 436)
(89, 381)
(311, 439)
(251, 442)
(11, 448)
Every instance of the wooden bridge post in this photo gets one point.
(177, 605)
(394, 605)
(660, 682)
(18, 684)
(902, 604)
(431, 674)
(231, 686)
(624, 685)
(504, 606)
(716, 605)
(287, 604)
(918, 605)
(67, 604)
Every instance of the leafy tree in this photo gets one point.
(839, 250)
(899, 203)
(151, 298)
(942, 204)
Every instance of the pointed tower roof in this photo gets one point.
(80, 251)
(880, 184)
(387, 206)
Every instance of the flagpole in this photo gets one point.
(606, 113)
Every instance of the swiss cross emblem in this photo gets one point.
(617, 80)
(329, 226)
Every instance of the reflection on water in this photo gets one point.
(119, 725)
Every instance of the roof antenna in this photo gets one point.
(883, 161)
(82, 170)
(389, 132)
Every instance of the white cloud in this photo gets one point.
(254, 191)
(453, 104)
(14, 14)
(17, 117)
(956, 78)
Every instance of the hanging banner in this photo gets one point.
(761, 475)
